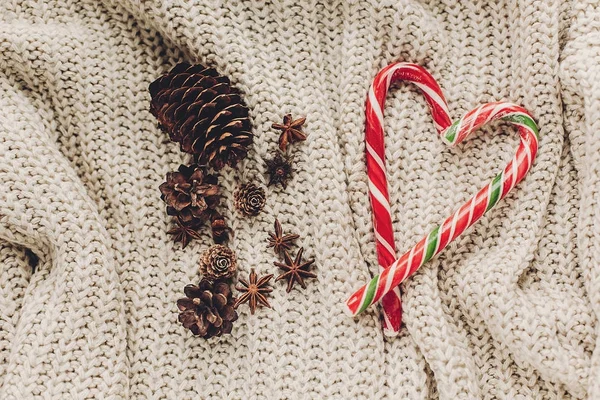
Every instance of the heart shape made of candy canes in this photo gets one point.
(394, 272)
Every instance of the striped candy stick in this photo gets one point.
(376, 171)
(468, 213)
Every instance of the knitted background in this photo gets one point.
(508, 311)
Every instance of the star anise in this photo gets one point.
(291, 131)
(280, 242)
(183, 232)
(254, 291)
(279, 169)
(295, 270)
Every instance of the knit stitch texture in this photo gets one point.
(508, 311)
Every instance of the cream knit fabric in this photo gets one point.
(508, 311)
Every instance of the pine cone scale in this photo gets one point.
(184, 304)
(228, 313)
(182, 201)
(188, 319)
(212, 316)
(227, 327)
(220, 300)
(222, 288)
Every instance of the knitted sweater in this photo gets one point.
(508, 311)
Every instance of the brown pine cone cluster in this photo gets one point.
(192, 195)
(201, 111)
(209, 309)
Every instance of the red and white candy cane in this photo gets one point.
(472, 210)
(378, 186)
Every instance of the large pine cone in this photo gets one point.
(207, 310)
(199, 109)
(191, 194)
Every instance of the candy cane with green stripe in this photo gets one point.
(471, 211)
(375, 156)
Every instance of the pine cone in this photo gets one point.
(207, 310)
(201, 111)
(190, 193)
(249, 199)
(218, 262)
(220, 230)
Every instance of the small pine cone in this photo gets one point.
(190, 193)
(220, 230)
(249, 199)
(218, 262)
(201, 111)
(207, 310)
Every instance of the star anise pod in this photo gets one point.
(279, 169)
(280, 242)
(183, 232)
(254, 291)
(291, 131)
(295, 270)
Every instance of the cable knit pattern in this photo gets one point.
(508, 311)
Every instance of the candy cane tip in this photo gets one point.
(446, 141)
(348, 311)
(391, 333)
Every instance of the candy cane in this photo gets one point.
(472, 210)
(378, 186)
